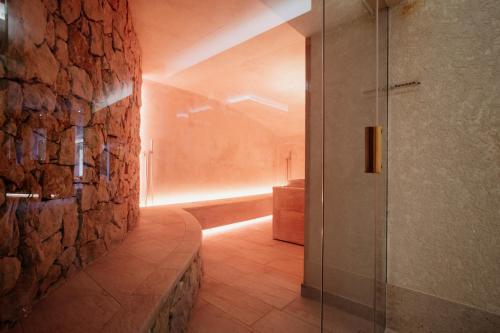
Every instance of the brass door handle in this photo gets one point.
(373, 149)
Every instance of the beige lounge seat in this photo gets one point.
(288, 212)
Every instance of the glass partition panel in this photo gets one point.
(355, 72)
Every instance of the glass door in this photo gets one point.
(354, 165)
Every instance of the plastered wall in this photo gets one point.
(203, 149)
(444, 159)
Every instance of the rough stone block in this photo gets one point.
(9, 231)
(70, 10)
(61, 52)
(41, 64)
(50, 33)
(67, 258)
(2, 192)
(78, 48)
(14, 100)
(70, 224)
(52, 5)
(81, 85)
(33, 16)
(89, 197)
(96, 44)
(10, 268)
(57, 181)
(63, 84)
(39, 97)
(50, 218)
(51, 249)
(52, 277)
(79, 111)
(67, 151)
(93, 9)
(108, 18)
(61, 29)
(114, 234)
(91, 251)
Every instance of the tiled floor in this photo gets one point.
(252, 284)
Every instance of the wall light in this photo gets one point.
(114, 96)
(182, 115)
(22, 195)
(3, 26)
(3, 11)
(201, 109)
(257, 99)
(176, 198)
(235, 226)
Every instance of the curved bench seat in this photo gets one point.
(148, 283)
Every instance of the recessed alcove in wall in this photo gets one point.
(230, 125)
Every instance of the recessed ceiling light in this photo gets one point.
(201, 109)
(258, 99)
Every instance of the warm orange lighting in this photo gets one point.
(241, 27)
(115, 96)
(175, 199)
(235, 226)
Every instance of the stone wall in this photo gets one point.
(69, 139)
(175, 312)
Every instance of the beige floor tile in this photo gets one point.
(234, 302)
(133, 315)
(289, 281)
(215, 252)
(260, 255)
(293, 250)
(78, 306)
(334, 319)
(119, 273)
(291, 266)
(248, 277)
(222, 272)
(246, 265)
(207, 318)
(150, 250)
(178, 261)
(279, 322)
(158, 282)
(265, 290)
(306, 309)
(150, 230)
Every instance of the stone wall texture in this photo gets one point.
(444, 167)
(174, 314)
(69, 137)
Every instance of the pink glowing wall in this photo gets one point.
(203, 148)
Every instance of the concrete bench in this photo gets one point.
(226, 211)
